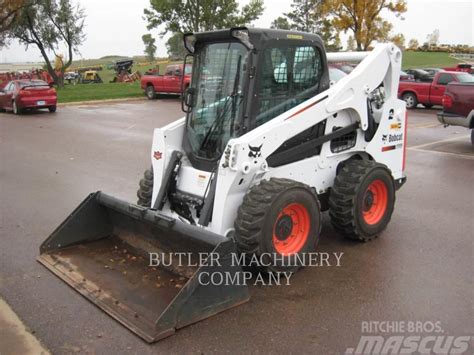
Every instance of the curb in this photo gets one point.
(95, 102)
(15, 337)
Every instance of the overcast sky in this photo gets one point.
(115, 27)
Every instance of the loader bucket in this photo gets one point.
(102, 250)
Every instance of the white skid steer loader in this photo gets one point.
(267, 144)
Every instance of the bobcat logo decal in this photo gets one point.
(255, 152)
(384, 137)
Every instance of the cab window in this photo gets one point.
(169, 71)
(445, 79)
(290, 75)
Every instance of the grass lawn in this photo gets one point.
(427, 60)
(105, 91)
(86, 92)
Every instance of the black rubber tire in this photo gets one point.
(150, 92)
(472, 136)
(256, 217)
(428, 105)
(410, 100)
(145, 189)
(52, 109)
(347, 196)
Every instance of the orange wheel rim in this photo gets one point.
(375, 202)
(291, 229)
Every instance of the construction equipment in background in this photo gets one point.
(123, 72)
(90, 77)
(39, 74)
(267, 144)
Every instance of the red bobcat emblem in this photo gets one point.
(157, 155)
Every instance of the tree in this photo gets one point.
(150, 47)
(175, 46)
(303, 17)
(363, 18)
(433, 38)
(9, 12)
(281, 23)
(200, 15)
(50, 25)
(413, 44)
(308, 16)
(351, 45)
(398, 40)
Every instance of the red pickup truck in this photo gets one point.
(170, 83)
(429, 94)
(458, 106)
(468, 68)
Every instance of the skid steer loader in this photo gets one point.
(268, 143)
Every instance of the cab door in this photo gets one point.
(6, 96)
(438, 88)
(176, 82)
(168, 79)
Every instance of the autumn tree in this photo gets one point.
(50, 25)
(363, 18)
(413, 44)
(203, 15)
(398, 40)
(175, 46)
(150, 47)
(281, 23)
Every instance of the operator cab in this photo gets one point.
(242, 78)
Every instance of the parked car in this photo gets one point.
(420, 75)
(169, 83)
(458, 106)
(406, 77)
(429, 94)
(432, 71)
(71, 76)
(345, 67)
(463, 67)
(20, 95)
(336, 74)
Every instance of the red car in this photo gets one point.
(429, 94)
(20, 95)
(170, 83)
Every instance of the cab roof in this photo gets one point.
(258, 35)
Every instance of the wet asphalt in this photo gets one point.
(420, 269)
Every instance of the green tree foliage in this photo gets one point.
(175, 46)
(281, 23)
(50, 25)
(200, 15)
(309, 16)
(150, 47)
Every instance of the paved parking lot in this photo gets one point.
(419, 270)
